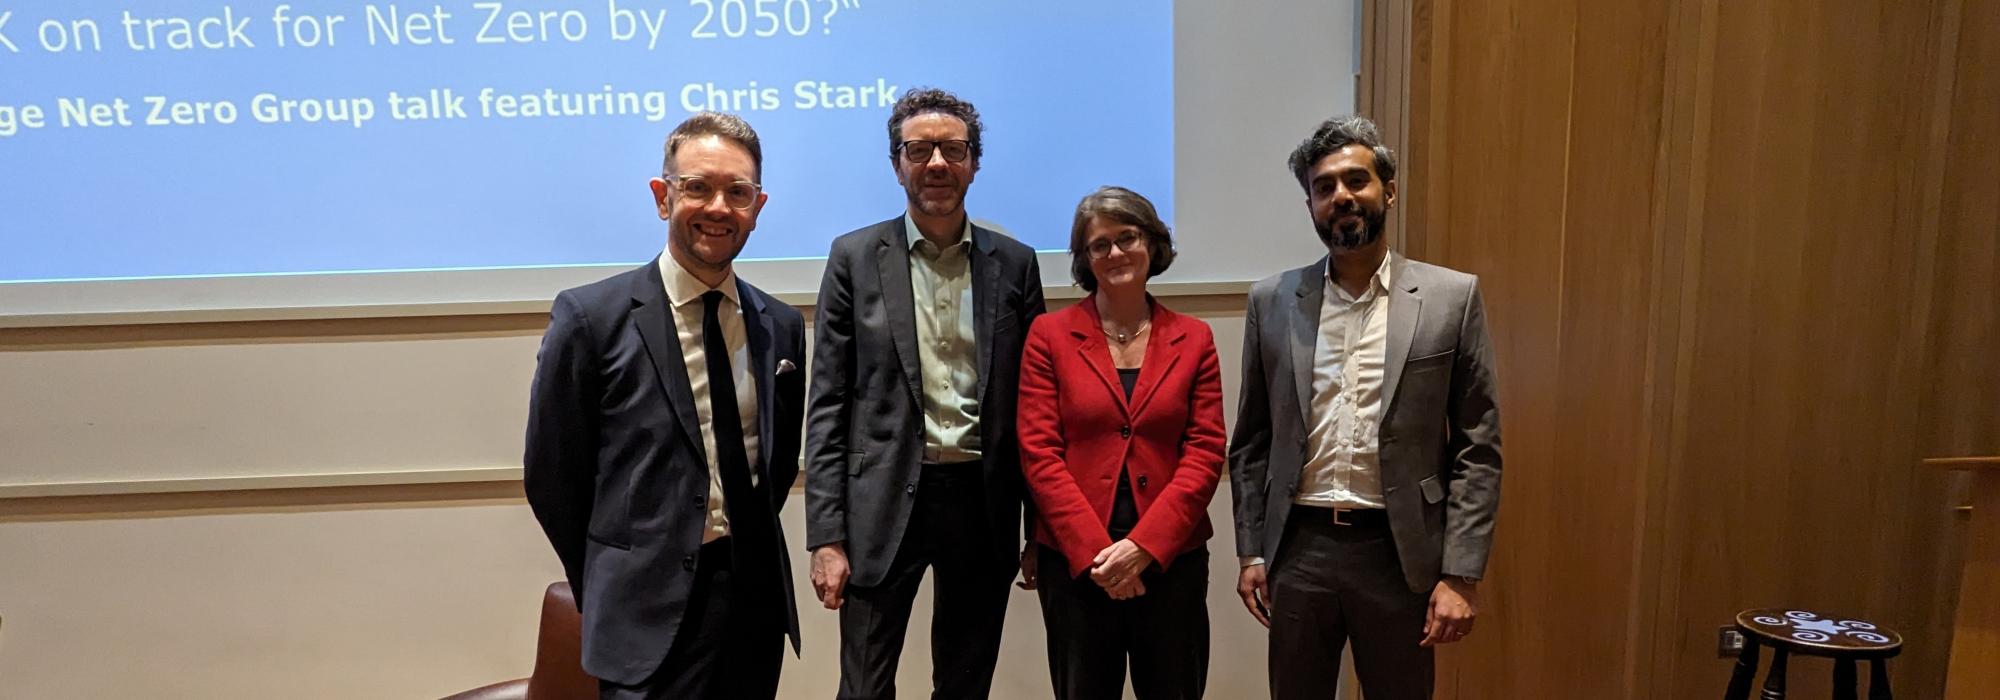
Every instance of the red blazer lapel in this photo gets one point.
(1091, 348)
(1163, 351)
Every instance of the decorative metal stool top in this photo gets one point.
(1809, 632)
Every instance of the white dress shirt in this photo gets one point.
(1343, 466)
(684, 296)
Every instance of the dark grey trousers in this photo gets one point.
(1331, 583)
(946, 534)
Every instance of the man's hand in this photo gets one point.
(1030, 565)
(1117, 568)
(1256, 592)
(1454, 604)
(829, 575)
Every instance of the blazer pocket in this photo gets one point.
(854, 463)
(1432, 490)
(1429, 363)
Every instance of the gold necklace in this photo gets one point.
(1126, 338)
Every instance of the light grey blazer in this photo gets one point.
(1440, 431)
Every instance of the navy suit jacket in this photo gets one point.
(615, 469)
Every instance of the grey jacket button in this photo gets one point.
(688, 563)
(910, 487)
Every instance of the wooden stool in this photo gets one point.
(1801, 632)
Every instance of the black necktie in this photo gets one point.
(748, 516)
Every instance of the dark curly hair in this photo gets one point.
(923, 100)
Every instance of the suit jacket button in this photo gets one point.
(1125, 431)
(1142, 482)
(688, 563)
(701, 501)
(910, 487)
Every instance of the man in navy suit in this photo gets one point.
(663, 438)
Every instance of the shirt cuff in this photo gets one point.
(1251, 561)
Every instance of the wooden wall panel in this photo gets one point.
(1963, 416)
(1608, 282)
(1724, 286)
(1962, 402)
(1516, 75)
(1795, 486)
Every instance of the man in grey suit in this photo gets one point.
(911, 461)
(663, 438)
(1366, 457)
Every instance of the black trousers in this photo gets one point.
(947, 533)
(1163, 633)
(1332, 583)
(731, 642)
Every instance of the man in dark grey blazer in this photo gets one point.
(663, 438)
(1366, 456)
(911, 461)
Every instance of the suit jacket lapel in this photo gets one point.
(1311, 293)
(757, 325)
(1096, 355)
(1162, 353)
(892, 262)
(1405, 307)
(656, 328)
(985, 300)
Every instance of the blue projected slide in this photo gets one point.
(151, 138)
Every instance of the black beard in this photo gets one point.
(1336, 240)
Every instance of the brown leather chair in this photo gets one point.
(558, 671)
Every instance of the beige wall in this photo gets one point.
(388, 591)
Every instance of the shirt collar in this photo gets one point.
(683, 288)
(915, 236)
(1378, 283)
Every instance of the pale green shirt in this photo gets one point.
(941, 287)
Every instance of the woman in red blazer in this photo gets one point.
(1120, 421)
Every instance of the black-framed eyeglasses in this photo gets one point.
(697, 190)
(920, 150)
(1100, 249)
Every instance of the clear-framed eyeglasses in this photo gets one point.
(698, 190)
